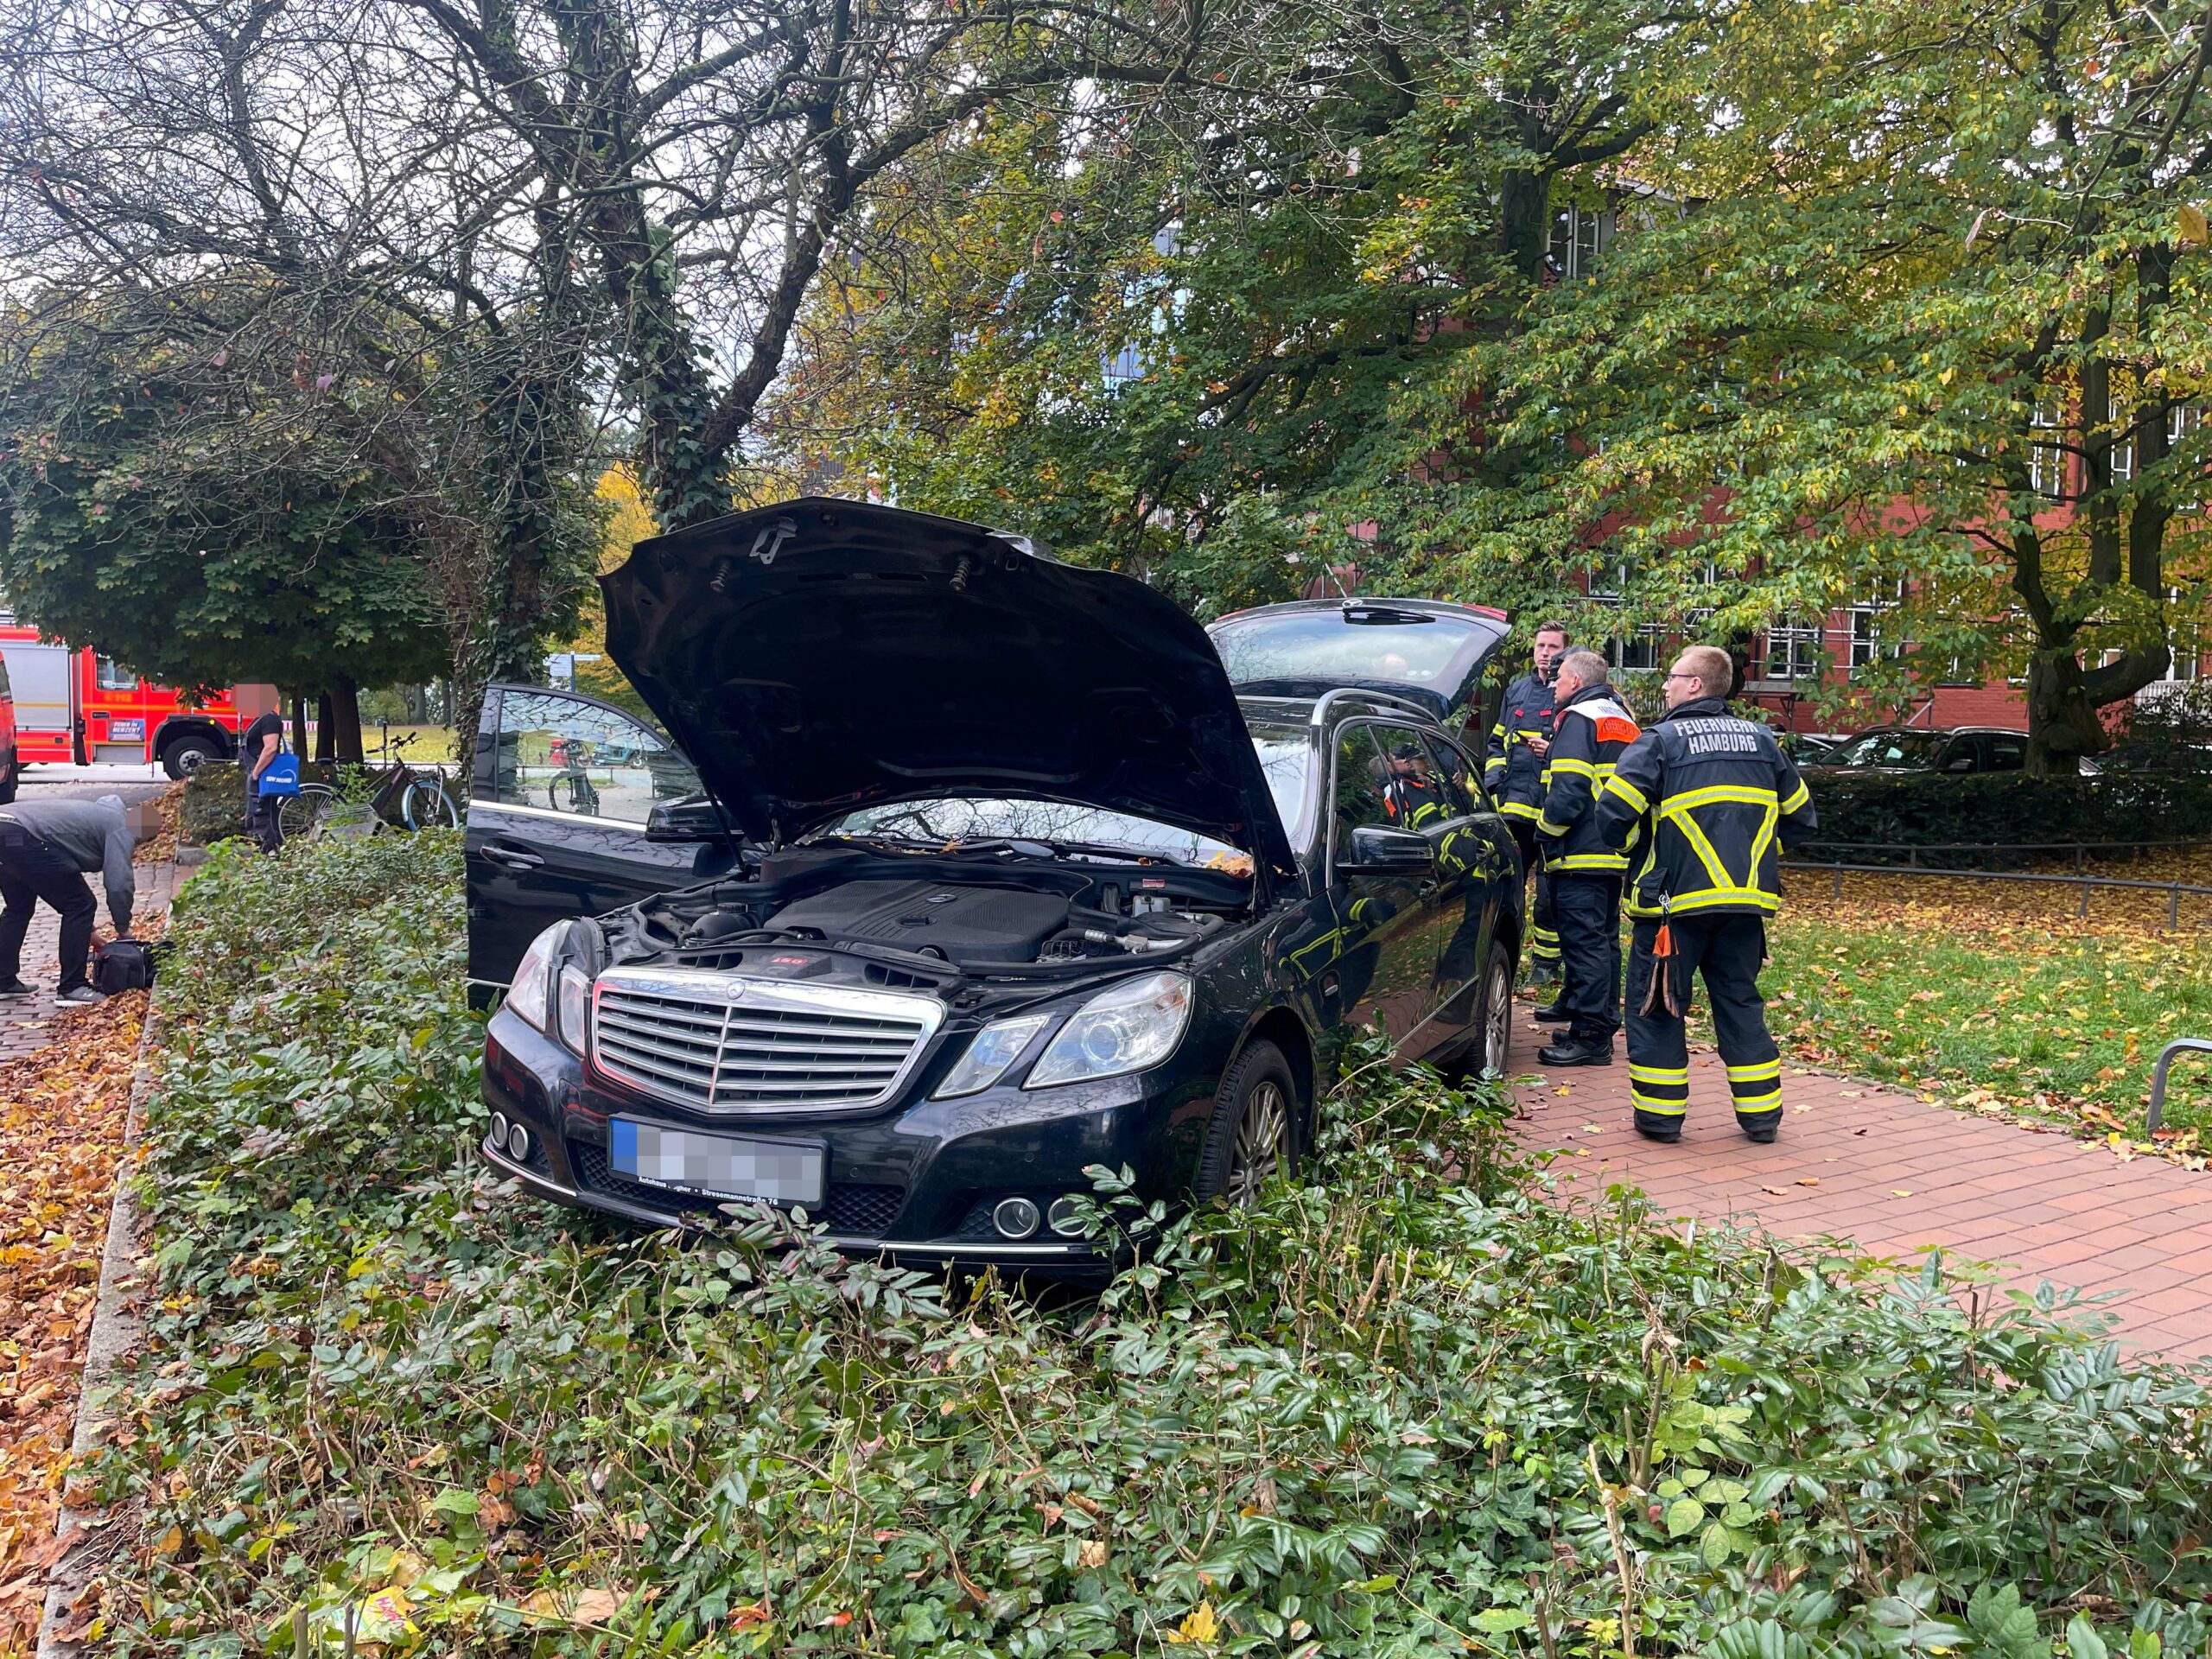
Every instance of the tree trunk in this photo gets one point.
(345, 701)
(2063, 724)
(299, 724)
(1524, 219)
(325, 731)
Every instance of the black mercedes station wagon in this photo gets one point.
(967, 870)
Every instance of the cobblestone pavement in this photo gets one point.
(23, 1021)
(1860, 1161)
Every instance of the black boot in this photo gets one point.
(1551, 1014)
(1760, 1127)
(1574, 1050)
(1652, 1127)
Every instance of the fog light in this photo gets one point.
(1064, 1217)
(518, 1143)
(499, 1128)
(1015, 1218)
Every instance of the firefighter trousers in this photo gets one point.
(1588, 906)
(1543, 924)
(1727, 951)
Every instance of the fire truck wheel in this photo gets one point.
(185, 755)
(15, 776)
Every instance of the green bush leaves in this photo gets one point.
(1409, 1408)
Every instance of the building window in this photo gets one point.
(2123, 449)
(2186, 641)
(1793, 650)
(2047, 458)
(1128, 364)
(1579, 239)
(109, 676)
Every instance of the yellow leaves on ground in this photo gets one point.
(62, 1120)
(1198, 1625)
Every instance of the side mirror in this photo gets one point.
(1378, 849)
(692, 818)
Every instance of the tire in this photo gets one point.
(1485, 1051)
(427, 806)
(8, 784)
(1254, 1130)
(182, 756)
(297, 816)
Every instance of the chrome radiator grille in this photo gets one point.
(720, 1042)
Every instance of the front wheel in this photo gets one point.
(298, 815)
(8, 784)
(1253, 1132)
(427, 806)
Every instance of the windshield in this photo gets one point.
(1283, 751)
(1886, 749)
(1373, 646)
(944, 823)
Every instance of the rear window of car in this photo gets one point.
(1342, 647)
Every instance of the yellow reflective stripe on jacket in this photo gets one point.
(1522, 809)
(1546, 827)
(1568, 763)
(1798, 796)
(1714, 897)
(1587, 862)
(1617, 785)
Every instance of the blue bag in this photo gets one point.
(281, 775)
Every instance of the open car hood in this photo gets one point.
(823, 655)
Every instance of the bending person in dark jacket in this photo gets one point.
(46, 848)
(1706, 801)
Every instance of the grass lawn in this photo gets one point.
(1966, 993)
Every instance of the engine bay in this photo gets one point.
(932, 919)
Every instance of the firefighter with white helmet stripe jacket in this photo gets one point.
(1593, 731)
(1705, 802)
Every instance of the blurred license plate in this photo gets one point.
(725, 1165)
(127, 728)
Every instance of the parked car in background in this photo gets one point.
(1806, 748)
(2162, 757)
(994, 874)
(1907, 749)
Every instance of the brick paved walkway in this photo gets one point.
(1860, 1161)
(22, 1023)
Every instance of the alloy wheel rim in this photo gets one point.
(1257, 1151)
(1498, 1022)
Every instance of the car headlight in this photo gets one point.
(551, 988)
(533, 978)
(989, 1052)
(574, 1001)
(1127, 1028)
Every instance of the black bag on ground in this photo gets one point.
(123, 965)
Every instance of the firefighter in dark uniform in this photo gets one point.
(1593, 730)
(1514, 770)
(1704, 801)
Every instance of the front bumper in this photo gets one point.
(915, 1181)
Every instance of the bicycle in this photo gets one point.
(418, 798)
(574, 758)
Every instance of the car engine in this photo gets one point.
(951, 918)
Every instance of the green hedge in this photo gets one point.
(2012, 809)
(1409, 1408)
(214, 800)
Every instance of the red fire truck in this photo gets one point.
(77, 705)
